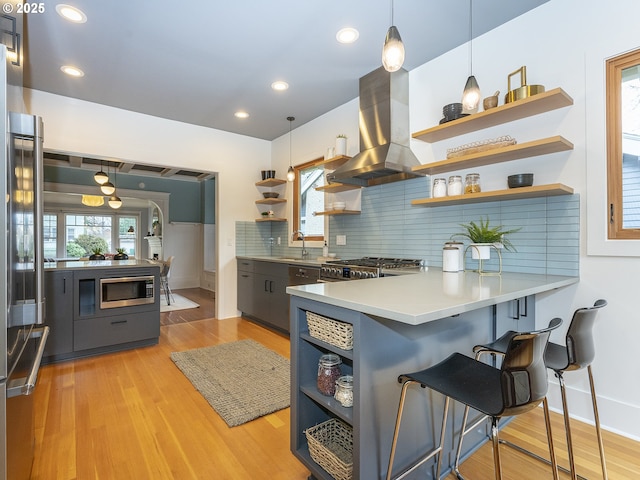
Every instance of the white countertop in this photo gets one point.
(311, 261)
(429, 295)
(100, 264)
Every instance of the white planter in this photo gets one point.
(481, 251)
(341, 146)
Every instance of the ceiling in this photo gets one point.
(199, 62)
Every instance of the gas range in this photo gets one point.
(366, 267)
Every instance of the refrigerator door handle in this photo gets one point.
(26, 385)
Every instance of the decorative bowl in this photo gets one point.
(520, 180)
(270, 194)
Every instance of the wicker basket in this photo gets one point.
(331, 447)
(331, 331)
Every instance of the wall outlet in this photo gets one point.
(341, 239)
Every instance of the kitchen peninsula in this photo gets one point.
(400, 324)
(100, 306)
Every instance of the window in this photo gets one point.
(50, 235)
(623, 145)
(308, 200)
(86, 233)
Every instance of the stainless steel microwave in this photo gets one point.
(126, 291)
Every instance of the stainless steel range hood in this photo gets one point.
(384, 155)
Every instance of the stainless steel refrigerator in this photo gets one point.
(22, 336)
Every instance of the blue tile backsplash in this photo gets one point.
(389, 226)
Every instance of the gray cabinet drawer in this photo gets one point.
(102, 332)
(246, 265)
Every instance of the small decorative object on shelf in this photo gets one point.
(97, 254)
(328, 373)
(268, 213)
(480, 146)
(341, 144)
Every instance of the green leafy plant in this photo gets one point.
(97, 251)
(482, 233)
(121, 250)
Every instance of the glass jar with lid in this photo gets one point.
(328, 373)
(472, 183)
(455, 185)
(344, 390)
(439, 188)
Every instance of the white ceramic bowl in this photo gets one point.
(332, 255)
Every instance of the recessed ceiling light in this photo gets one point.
(241, 114)
(279, 85)
(72, 71)
(71, 13)
(347, 35)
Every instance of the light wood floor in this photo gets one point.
(133, 415)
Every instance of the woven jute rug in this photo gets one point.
(241, 380)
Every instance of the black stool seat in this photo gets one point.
(465, 380)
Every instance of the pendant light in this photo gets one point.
(100, 177)
(107, 188)
(393, 49)
(471, 93)
(114, 200)
(291, 174)
(92, 200)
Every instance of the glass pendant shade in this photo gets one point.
(115, 202)
(92, 200)
(101, 178)
(392, 51)
(471, 96)
(291, 174)
(108, 188)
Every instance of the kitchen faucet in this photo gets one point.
(300, 233)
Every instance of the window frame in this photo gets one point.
(614, 68)
(296, 220)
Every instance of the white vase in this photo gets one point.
(341, 146)
(481, 251)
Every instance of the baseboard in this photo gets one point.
(617, 417)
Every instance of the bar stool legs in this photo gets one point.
(426, 456)
(567, 425)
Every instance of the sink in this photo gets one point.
(290, 258)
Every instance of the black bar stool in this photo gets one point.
(519, 385)
(577, 353)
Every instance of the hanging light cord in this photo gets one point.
(470, 37)
(392, 12)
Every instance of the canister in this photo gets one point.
(328, 373)
(455, 185)
(344, 390)
(460, 247)
(450, 259)
(472, 183)
(439, 188)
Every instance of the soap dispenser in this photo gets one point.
(325, 250)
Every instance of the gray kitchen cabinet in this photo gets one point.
(262, 292)
(517, 315)
(58, 289)
(245, 287)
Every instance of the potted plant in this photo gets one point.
(483, 236)
(156, 228)
(121, 255)
(341, 144)
(97, 254)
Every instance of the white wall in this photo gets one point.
(84, 128)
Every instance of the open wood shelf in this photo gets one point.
(270, 182)
(339, 212)
(337, 187)
(333, 163)
(527, 107)
(271, 201)
(497, 155)
(271, 219)
(550, 190)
